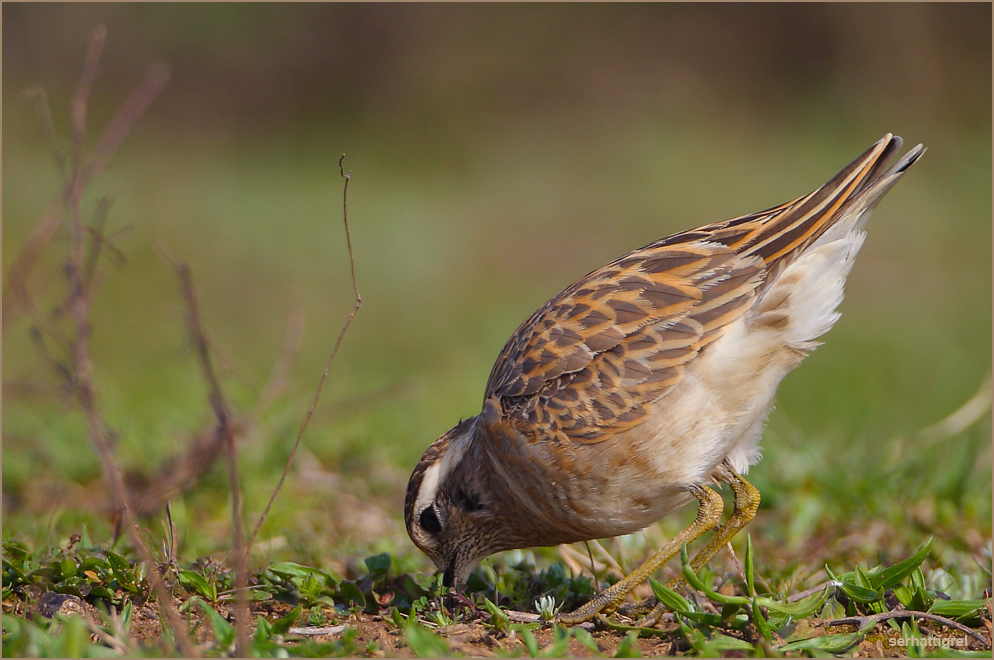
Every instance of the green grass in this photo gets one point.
(285, 594)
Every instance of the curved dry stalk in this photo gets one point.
(327, 366)
(226, 434)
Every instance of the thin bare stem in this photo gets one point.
(180, 472)
(225, 432)
(77, 108)
(97, 240)
(53, 215)
(119, 127)
(115, 641)
(801, 595)
(39, 97)
(81, 366)
(327, 366)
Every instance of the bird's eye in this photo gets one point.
(429, 521)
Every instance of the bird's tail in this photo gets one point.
(837, 207)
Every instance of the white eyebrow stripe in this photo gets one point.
(429, 486)
(438, 471)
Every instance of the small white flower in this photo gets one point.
(546, 607)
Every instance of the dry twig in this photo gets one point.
(78, 305)
(39, 97)
(311, 631)
(331, 359)
(183, 470)
(15, 291)
(176, 474)
(224, 432)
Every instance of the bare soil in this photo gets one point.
(477, 640)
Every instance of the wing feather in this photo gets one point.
(585, 365)
(590, 361)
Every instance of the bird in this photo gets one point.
(644, 385)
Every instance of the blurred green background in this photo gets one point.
(499, 152)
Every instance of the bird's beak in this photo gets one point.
(449, 577)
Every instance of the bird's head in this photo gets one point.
(450, 511)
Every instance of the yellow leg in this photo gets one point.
(607, 602)
(746, 504)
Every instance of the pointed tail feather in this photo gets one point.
(789, 231)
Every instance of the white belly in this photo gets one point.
(718, 409)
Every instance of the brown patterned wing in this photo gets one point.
(587, 364)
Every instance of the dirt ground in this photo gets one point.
(481, 641)
(475, 639)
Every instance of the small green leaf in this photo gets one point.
(670, 598)
(828, 643)
(425, 643)
(696, 582)
(498, 619)
(892, 576)
(196, 583)
(378, 565)
(799, 610)
(917, 579)
(585, 638)
(628, 648)
(15, 551)
(126, 615)
(921, 600)
(101, 591)
(860, 594)
(749, 569)
(398, 618)
(728, 610)
(281, 626)
(263, 629)
(903, 595)
(860, 579)
(351, 594)
(527, 638)
(958, 609)
(224, 632)
(760, 621)
(43, 574)
(95, 564)
(121, 570)
(12, 571)
(289, 569)
(722, 642)
(67, 567)
(117, 562)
